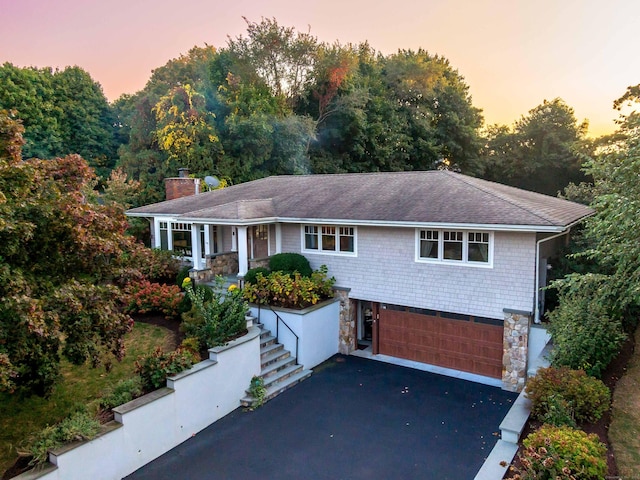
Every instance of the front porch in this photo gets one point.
(217, 250)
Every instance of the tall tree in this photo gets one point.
(58, 253)
(282, 57)
(186, 130)
(543, 151)
(63, 112)
(595, 309)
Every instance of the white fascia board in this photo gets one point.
(236, 223)
(434, 225)
(363, 223)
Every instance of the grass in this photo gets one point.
(80, 385)
(624, 431)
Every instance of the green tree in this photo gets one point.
(608, 300)
(63, 112)
(88, 124)
(59, 251)
(186, 130)
(282, 57)
(29, 92)
(542, 152)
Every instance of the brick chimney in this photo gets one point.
(181, 186)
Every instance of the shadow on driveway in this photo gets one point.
(352, 419)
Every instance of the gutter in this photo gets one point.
(536, 315)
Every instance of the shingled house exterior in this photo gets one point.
(439, 267)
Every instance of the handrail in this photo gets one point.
(278, 320)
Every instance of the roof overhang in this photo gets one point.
(361, 223)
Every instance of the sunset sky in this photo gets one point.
(512, 53)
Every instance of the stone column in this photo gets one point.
(347, 331)
(514, 358)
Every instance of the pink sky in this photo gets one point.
(512, 53)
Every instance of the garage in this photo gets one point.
(461, 342)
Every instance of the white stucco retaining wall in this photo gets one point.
(151, 425)
(317, 328)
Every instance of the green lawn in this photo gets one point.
(624, 431)
(21, 417)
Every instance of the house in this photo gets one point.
(438, 267)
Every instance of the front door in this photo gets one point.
(258, 241)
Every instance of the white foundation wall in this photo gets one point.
(385, 271)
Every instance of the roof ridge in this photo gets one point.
(499, 195)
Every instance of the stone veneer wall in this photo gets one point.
(347, 331)
(223, 263)
(516, 340)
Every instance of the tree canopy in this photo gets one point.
(596, 308)
(63, 112)
(543, 151)
(278, 101)
(62, 257)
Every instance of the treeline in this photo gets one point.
(278, 101)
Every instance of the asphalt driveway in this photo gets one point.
(352, 419)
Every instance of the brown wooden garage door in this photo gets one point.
(461, 342)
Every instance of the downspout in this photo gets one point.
(536, 315)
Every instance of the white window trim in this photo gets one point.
(465, 248)
(336, 252)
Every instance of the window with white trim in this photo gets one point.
(329, 239)
(455, 246)
(181, 234)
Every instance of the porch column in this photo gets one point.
(169, 235)
(234, 239)
(207, 240)
(278, 238)
(196, 246)
(243, 254)
(156, 241)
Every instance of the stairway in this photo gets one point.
(279, 369)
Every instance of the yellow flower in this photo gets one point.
(185, 282)
(232, 287)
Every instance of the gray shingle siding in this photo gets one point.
(385, 270)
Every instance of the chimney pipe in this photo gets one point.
(183, 172)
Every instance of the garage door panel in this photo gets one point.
(458, 344)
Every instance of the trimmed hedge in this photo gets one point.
(290, 263)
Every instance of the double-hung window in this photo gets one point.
(455, 246)
(329, 239)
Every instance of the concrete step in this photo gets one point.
(273, 357)
(274, 367)
(281, 374)
(277, 388)
(267, 340)
(272, 348)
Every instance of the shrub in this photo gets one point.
(185, 303)
(78, 426)
(155, 367)
(252, 274)
(146, 297)
(216, 321)
(290, 291)
(182, 274)
(585, 335)
(124, 391)
(562, 452)
(585, 398)
(290, 263)
(257, 390)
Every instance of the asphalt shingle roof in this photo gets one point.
(389, 197)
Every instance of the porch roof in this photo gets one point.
(385, 198)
